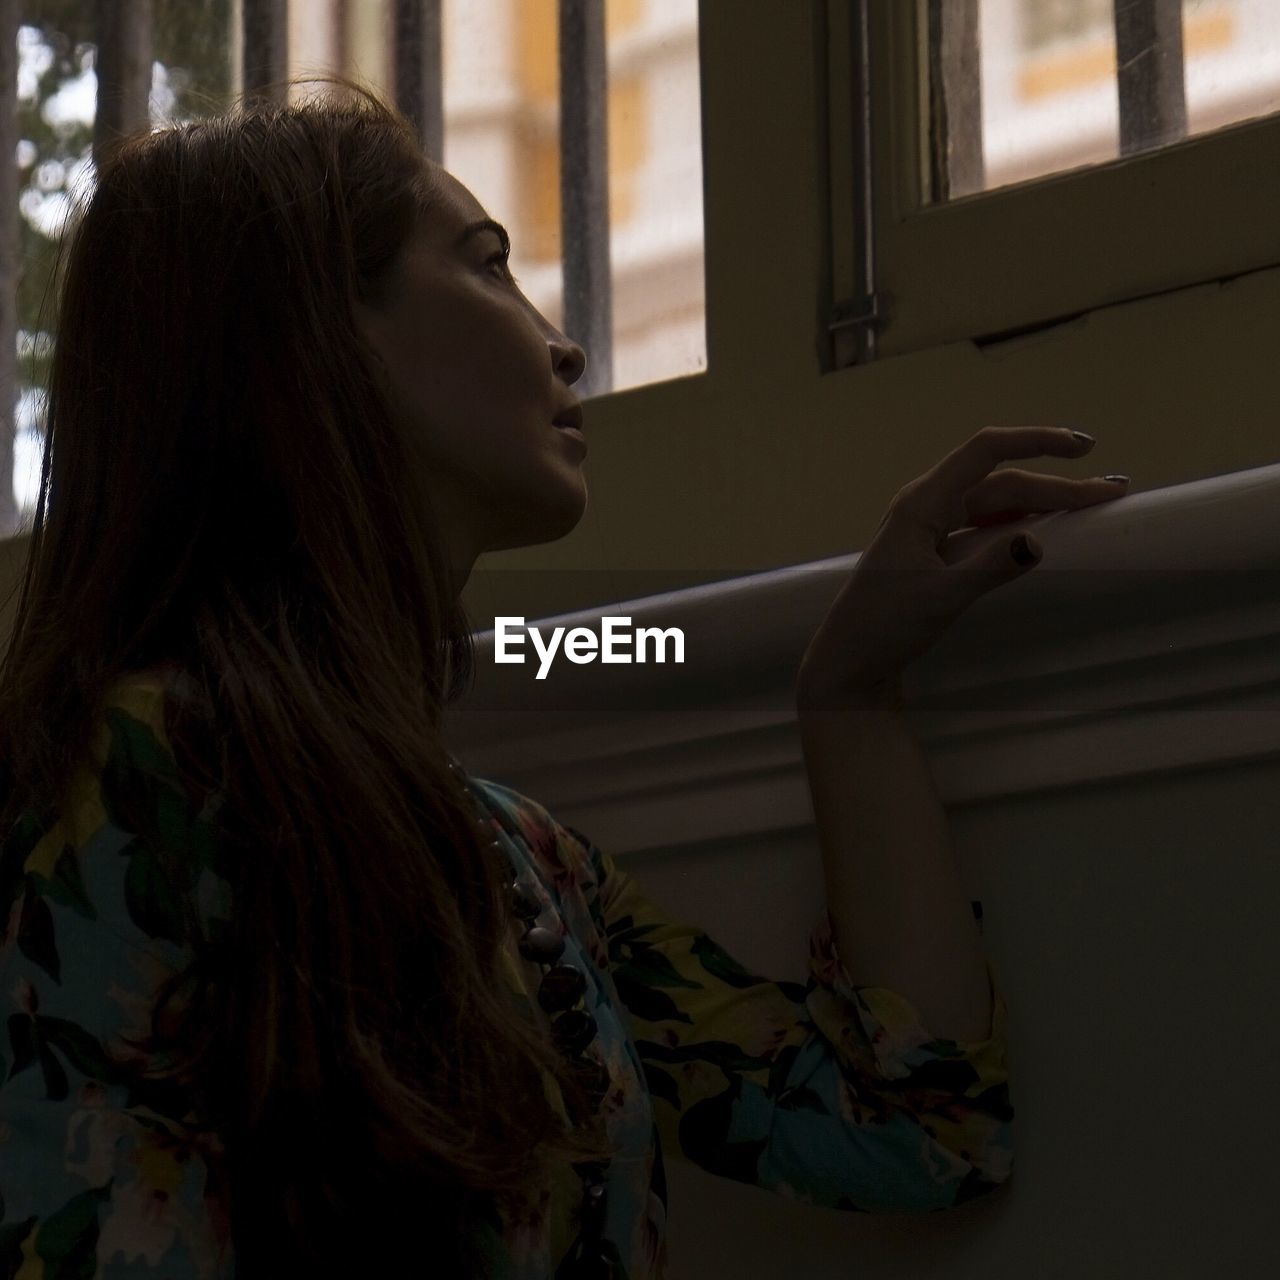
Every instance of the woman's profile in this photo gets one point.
(287, 992)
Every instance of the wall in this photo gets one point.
(1131, 927)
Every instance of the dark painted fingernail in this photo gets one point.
(1084, 437)
(1024, 550)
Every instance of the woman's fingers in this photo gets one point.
(1012, 492)
(934, 501)
(903, 593)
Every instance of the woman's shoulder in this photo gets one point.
(141, 693)
(125, 839)
(552, 840)
(514, 808)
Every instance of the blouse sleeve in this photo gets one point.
(102, 1170)
(828, 1093)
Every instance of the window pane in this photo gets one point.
(1028, 88)
(1049, 22)
(502, 131)
(56, 94)
(57, 97)
(191, 55)
(502, 139)
(1233, 61)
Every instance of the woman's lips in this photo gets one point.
(571, 431)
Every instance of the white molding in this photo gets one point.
(1144, 643)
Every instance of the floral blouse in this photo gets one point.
(823, 1092)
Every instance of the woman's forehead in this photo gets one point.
(454, 201)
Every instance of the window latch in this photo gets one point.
(867, 310)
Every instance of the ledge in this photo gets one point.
(1145, 642)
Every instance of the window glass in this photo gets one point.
(502, 138)
(57, 96)
(1028, 88)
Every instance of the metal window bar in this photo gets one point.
(123, 67)
(1150, 74)
(863, 315)
(264, 44)
(584, 189)
(8, 262)
(341, 18)
(955, 100)
(417, 62)
(417, 70)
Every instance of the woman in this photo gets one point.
(295, 394)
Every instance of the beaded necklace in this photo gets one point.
(573, 1030)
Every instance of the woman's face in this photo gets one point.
(476, 376)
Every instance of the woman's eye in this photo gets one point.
(502, 259)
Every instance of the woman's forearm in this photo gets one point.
(900, 915)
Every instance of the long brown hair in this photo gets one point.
(223, 489)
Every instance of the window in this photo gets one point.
(1026, 161)
(56, 107)
(1048, 85)
(576, 121)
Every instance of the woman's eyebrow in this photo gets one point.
(485, 224)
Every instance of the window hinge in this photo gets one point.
(869, 309)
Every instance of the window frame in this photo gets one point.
(940, 270)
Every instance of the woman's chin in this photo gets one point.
(549, 524)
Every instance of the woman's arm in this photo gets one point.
(901, 918)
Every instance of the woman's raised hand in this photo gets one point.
(903, 594)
